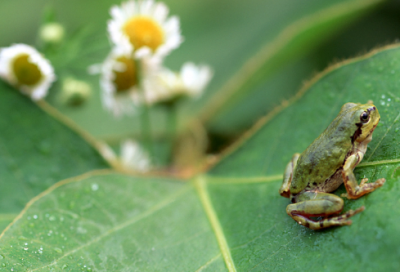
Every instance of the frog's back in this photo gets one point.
(324, 156)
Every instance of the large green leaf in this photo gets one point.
(35, 152)
(232, 214)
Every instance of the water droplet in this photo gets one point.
(81, 230)
(35, 216)
(388, 99)
(383, 103)
(95, 187)
(58, 250)
(25, 248)
(383, 96)
(50, 233)
(3, 264)
(64, 266)
(1, 256)
(52, 218)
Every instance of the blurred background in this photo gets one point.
(261, 53)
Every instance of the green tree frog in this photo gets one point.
(327, 163)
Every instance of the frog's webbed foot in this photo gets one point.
(315, 204)
(355, 190)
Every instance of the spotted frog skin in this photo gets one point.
(327, 163)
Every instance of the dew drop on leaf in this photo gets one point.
(95, 187)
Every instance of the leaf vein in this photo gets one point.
(215, 224)
(134, 220)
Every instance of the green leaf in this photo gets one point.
(232, 218)
(275, 63)
(111, 222)
(35, 152)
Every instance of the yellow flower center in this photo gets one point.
(144, 31)
(127, 78)
(27, 73)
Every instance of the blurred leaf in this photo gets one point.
(277, 64)
(36, 151)
(106, 221)
(252, 47)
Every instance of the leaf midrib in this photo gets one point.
(200, 185)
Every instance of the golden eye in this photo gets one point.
(364, 117)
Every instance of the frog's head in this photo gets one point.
(365, 116)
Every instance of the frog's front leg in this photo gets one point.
(315, 204)
(354, 190)
(287, 178)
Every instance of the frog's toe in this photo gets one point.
(345, 195)
(364, 180)
(380, 181)
(347, 223)
(350, 213)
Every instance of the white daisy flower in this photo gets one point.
(26, 69)
(144, 26)
(133, 157)
(119, 81)
(190, 81)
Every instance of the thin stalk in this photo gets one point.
(172, 125)
(172, 121)
(145, 118)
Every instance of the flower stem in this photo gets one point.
(172, 126)
(146, 130)
(172, 120)
(145, 118)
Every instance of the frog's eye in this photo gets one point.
(364, 117)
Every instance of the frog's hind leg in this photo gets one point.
(287, 178)
(315, 204)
